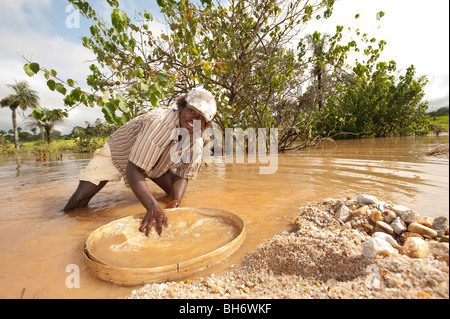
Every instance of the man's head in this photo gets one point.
(198, 104)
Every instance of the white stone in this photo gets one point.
(399, 209)
(385, 227)
(398, 225)
(376, 246)
(343, 213)
(386, 237)
(366, 199)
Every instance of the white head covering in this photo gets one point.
(202, 101)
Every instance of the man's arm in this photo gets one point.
(178, 188)
(155, 216)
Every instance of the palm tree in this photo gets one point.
(318, 46)
(46, 119)
(23, 99)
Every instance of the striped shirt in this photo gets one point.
(152, 142)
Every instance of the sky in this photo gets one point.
(49, 32)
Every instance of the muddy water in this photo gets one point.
(41, 247)
(189, 235)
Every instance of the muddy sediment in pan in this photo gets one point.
(196, 239)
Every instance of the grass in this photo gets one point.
(54, 150)
(442, 121)
(41, 149)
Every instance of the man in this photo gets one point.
(164, 145)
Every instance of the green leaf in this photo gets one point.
(76, 93)
(125, 118)
(154, 99)
(144, 87)
(109, 112)
(123, 107)
(51, 84)
(60, 88)
(119, 20)
(380, 15)
(34, 67)
(28, 70)
(156, 89)
(120, 97)
(139, 73)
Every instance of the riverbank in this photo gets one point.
(53, 150)
(328, 254)
(440, 151)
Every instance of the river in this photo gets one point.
(41, 247)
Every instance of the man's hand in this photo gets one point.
(154, 217)
(173, 204)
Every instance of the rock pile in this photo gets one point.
(395, 229)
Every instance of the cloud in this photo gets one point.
(29, 28)
(68, 58)
(23, 14)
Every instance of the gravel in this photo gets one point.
(440, 151)
(318, 259)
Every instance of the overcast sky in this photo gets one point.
(416, 32)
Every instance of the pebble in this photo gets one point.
(385, 227)
(439, 250)
(408, 216)
(406, 235)
(387, 238)
(422, 230)
(416, 247)
(398, 209)
(343, 213)
(376, 246)
(389, 215)
(398, 225)
(360, 211)
(440, 225)
(376, 216)
(366, 199)
(424, 220)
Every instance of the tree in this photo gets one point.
(237, 51)
(249, 53)
(48, 118)
(23, 99)
(378, 105)
(318, 47)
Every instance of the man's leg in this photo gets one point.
(83, 194)
(165, 182)
(173, 185)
